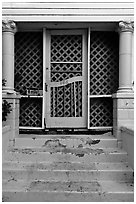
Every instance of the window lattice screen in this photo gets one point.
(29, 75)
(28, 61)
(104, 63)
(104, 76)
(31, 112)
(101, 112)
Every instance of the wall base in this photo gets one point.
(12, 119)
(123, 112)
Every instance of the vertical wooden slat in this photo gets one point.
(53, 98)
(78, 98)
(71, 98)
(89, 33)
(75, 97)
(47, 76)
(64, 101)
(44, 76)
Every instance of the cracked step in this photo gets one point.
(67, 168)
(67, 171)
(70, 141)
(68, 136)
(67, 154)
(65, 165)
(42, 191)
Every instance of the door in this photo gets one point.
(66, 79)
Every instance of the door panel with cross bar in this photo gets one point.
(66, 79)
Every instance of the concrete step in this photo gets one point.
(65, 175)
(62, 135)
(43, 191)
(65, 165)
(67, 171)
(69, 141)
(62, 154)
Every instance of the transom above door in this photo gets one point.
(66, 79)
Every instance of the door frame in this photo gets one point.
(50, 121)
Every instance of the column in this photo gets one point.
(123, 100)
(125, 56)
(8, 93)
(8, 31)
(132, 74)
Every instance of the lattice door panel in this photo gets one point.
(101, 112)
(66, 63)
(66, 48)
(66, 101)
(60, 72)
(28, 61)
(31, 112)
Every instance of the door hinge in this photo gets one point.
(46, 87)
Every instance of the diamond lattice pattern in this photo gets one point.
(28, 61)
(66, 48)
(104, 63)
(66, 58)
(60, 72)
(101, 112)
(30, 112)
(29, 75)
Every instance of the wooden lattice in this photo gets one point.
(66, 62)
(60, 72)
(29, 75)
(66, 53)
(66, 101)
(104, 76)
(104, 63)
(66, 48)
(101, 112)
(28, 61)
(31, 112)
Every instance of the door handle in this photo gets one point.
(46, 87)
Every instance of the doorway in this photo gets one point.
(66, 79)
